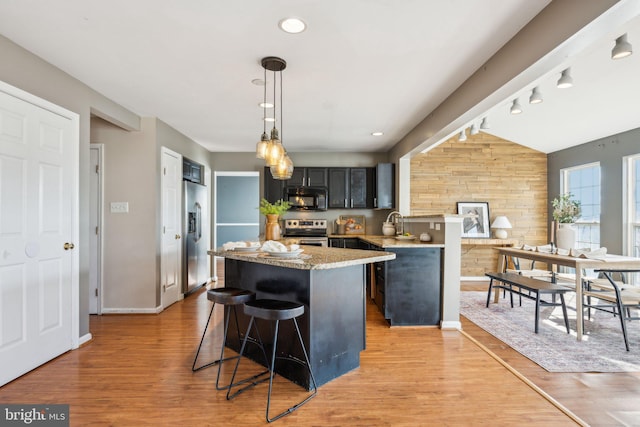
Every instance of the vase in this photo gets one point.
(566, 236)
(272, 227)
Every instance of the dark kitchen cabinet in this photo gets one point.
(344, 242)
(351, 188)
(191, 171)
(273, 188)
(308, 177)
(384, 194)
(408, 288)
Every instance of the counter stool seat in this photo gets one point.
(275, 310)
(230, 298)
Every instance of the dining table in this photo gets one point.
(580, 263)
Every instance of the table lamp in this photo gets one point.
(501, 224)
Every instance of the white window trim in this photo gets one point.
(628, 201)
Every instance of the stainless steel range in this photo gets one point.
(306, 232)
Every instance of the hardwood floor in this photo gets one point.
(137, 371)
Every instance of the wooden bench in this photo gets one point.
(516, 283)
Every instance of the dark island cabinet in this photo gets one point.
(408, 288)
(344, 242)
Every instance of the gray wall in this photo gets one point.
(609, 152)
(28, 72)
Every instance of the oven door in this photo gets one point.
(310, 241)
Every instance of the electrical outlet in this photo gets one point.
(119, 207)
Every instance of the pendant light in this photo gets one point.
(263, 144)
(275, 156)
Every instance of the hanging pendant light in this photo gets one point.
(263, 144)
(275, 155)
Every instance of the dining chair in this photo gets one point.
(614, 296)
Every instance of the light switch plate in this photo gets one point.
(119, 207)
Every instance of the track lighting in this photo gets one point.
(484, 125)
(536, 96)
(565, 80)
(474, 129)
(622, 49)
(515, 107)
(463, 136)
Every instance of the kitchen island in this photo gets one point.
(330, 282)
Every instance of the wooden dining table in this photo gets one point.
(580, 264)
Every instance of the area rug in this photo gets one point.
(601, 350)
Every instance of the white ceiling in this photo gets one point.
(361, 66)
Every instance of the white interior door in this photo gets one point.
(38, 232)
(171, 227)
(95, 229)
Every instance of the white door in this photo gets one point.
(171, 227)
(38, 232)
(95, 229)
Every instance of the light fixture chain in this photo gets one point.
(281, 117)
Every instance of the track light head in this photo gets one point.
(565, 80)
(474, 129)
(622, 49)
(484, 125)
(516, 108)
(536, 96)
(463, 136)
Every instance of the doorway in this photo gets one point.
(96, 202)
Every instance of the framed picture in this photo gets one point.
(476, 220)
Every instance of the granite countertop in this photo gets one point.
(313, 257)
(389, 241)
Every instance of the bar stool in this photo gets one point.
(230, 298)
(269, 309)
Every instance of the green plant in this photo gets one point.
(565, 209)
(277, 208)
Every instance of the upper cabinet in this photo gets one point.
(351, 188)
(273, 188)
(348, 188)
(308, 177)
(384, 197)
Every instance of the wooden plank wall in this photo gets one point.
(510, 177)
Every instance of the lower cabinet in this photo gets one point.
(344, 242)
(408, 288)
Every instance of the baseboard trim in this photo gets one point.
(155, 310)
(450, 324)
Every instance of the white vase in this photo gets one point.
(566, 236)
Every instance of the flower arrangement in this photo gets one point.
(277, 208)
(565, 209)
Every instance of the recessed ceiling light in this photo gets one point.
(265, 105)
(377, 133)
(292, 25)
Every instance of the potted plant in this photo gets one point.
(566, 211)
(272, 212)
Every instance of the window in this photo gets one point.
(583, 182)
(632, 210)
(632, 238)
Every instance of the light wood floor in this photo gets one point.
(137, 371)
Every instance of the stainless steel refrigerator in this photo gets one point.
(195, 237)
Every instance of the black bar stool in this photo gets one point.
(230, 298)
(269, 309)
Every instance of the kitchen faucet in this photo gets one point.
(395, 215)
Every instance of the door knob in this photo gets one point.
(177, 236)
(68, 246)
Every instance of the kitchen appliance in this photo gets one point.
(306, 232)
(306, 198)
(195, 234)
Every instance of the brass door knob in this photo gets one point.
(177, 236)
(68, 246)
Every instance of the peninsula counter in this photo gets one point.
(330, 282)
